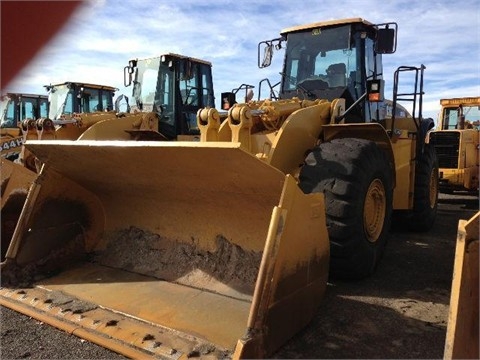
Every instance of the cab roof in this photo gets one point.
(178, 56)
(469, 100)
(87, 85)
(12, 94)
(325, 24)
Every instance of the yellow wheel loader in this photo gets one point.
(14, 109)
(73, 108)
(222, 247)
(456, 140)
(167, 92)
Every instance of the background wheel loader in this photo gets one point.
(223, 247)
(14, 109)
(456, 140)
(73, 108)
(167, 91)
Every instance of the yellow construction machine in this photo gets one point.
(14, 109)
(456, 140)
(168, 91)
(73, 108)
(222, 247)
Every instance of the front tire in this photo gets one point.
(355, 176)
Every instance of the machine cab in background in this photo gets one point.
(173, 86)
(14, 108)
(68, 98)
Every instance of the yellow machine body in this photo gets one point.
(211, 239)
(462, 339)
(466, 174)
(456, 140)
(11, 141)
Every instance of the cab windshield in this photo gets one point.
(319, 59)
(145, 85)
(451, 116)
(57, 98)
(154, 88)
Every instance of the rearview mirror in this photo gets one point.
(268, 46)
(128, 72)
(386, 40)
(267, 56)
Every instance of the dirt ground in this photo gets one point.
(398, 313)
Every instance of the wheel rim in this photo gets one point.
(374, 210)
(433, 188)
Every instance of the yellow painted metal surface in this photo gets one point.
(459, 166)
(200, 238)
(462, 339)
(11, 141)
(324, 23)
(112, 128)
(15, 183)
(14, 177)
(404, 148)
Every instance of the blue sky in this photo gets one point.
(103, 35)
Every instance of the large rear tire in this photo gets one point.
(355, 176)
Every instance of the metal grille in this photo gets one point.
(446, 144)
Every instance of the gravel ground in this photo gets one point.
(400, 312)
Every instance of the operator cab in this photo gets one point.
(460, 113)
(14, 108)
(335, 59)
(173, 86)
(68, 98)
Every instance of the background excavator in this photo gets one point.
(223, 247)
(456, 140)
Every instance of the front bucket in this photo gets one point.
(216, 251)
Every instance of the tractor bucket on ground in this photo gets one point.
(167, 249)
